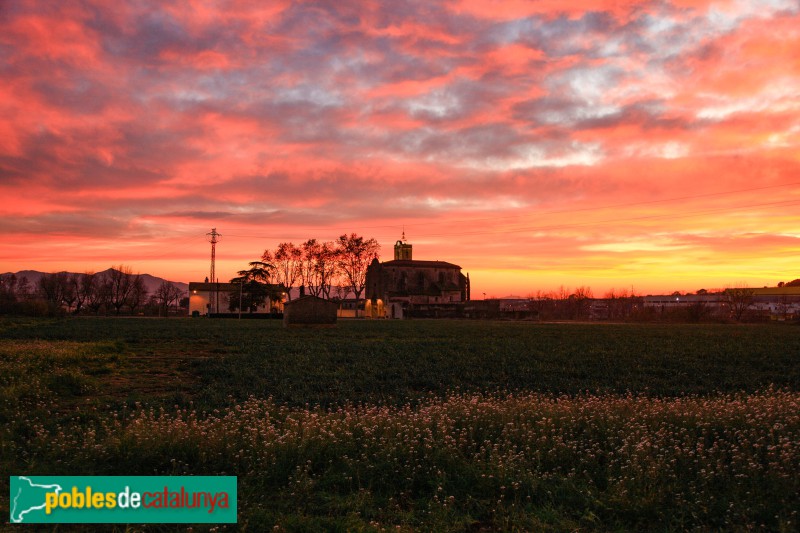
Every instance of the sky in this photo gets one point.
(652, 146)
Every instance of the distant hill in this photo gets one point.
(151, 282)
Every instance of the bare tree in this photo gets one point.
(94, 291)
(23, 288)
(621, 303)
(579, 302)
(137, 294)
(740, 299)
(166, 295)
(287, 259)
(327, 267)
(318, 267)
(583, 293)
(120, 279)
(354, 254)
(307, 272)
(51, 288)
(75, 286)
(8, 293)
(69, 294)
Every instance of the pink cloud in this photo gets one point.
(546, 137)
(516, 9)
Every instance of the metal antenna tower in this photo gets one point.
(213, 240)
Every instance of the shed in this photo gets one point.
(310, 311)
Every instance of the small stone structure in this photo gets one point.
(310, 311)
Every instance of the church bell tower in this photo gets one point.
(402, 250)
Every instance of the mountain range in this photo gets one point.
(151, 282)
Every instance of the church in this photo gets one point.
(405, 287)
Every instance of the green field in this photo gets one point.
(421, 425)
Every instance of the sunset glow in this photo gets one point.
(653, 146)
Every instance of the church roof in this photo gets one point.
(419, 264)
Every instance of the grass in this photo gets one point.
(432, 425)
(391, 362)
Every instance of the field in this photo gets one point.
(421, 425)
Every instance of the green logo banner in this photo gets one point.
(122, 499)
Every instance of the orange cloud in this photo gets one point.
(537, 144)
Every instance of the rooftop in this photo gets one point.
(418, 263)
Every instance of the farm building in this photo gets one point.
(776, 303)
(310, 311)
(207, 299)
(510, 307)
(350, 307)
(406, 286)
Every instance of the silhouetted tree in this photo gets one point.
(306, 274)
(580, 302)
(68, 293)
(287, 259)
(138, 293)
(75, 287)
(120, 281)
(353, 255)
(24, 289)
(8, 294)
(259, 271)
(95, 291)
(319, 267)
(740, 299)
(543, 304)
(166, 295)
(697, 311)
(52, 287)
(254, 287)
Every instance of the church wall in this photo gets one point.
(404, 283)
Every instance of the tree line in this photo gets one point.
(326, 269)
(729, 304)
(116, 291)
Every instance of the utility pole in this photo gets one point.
(213, 240)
